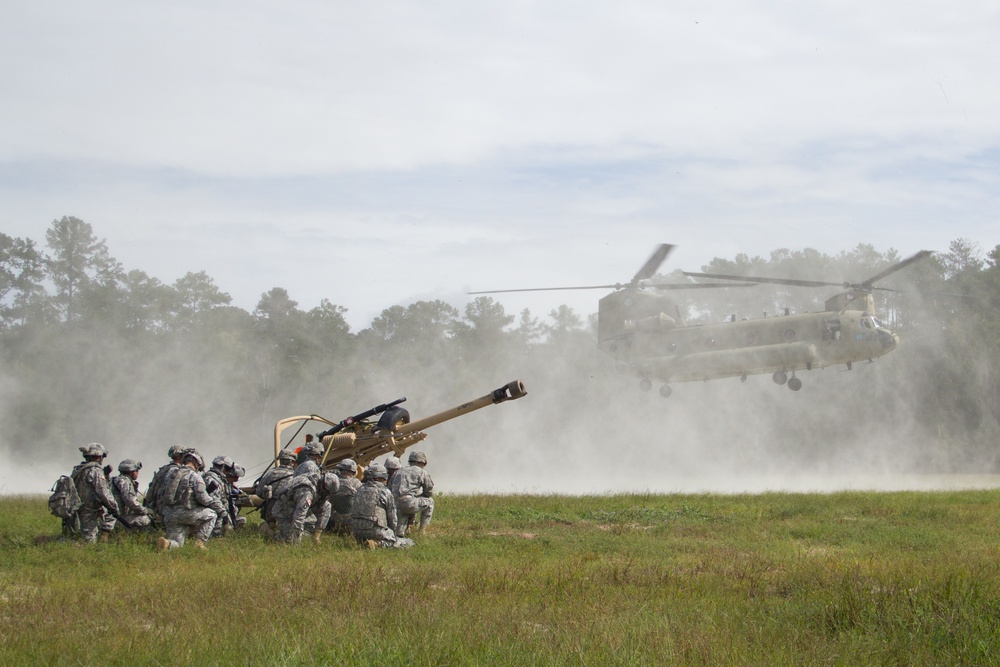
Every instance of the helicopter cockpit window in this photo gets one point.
(869, 321)
(831, 329)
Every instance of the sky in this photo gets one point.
(381, 153)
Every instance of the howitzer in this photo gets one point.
(363, 441)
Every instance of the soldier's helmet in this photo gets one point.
(328, 483)
(222, 462)
(376, 471)
(192, 455)
(94, 450)
(348, 466)
(312, 449)
(417, 456)
(286, 455)
(129, 465)
(175, 451)
(392, 463)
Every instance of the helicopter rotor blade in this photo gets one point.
(896, 267)
(653, 263)
(678, 286)
(773, 281)
(548, 289)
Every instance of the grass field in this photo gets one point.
(774, 579)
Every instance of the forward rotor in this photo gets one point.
(639, 280)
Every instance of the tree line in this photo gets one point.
(92, 350)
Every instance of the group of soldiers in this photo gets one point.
(182, 498)
(295, 497)
(299, 498)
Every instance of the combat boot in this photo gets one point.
(200, 544)
(162, 544)
(266, 531)
(317, 537)
(371, 544)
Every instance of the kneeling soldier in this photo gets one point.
(373, 513)
(98, 503)
(187, 506)
(125, 488)
(305, 494)
(412, 488)
(343, 499)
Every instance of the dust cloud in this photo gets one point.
(581, 429)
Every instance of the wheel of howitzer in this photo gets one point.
(393, 417)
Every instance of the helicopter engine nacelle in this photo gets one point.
(661, 322)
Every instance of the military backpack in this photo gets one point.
(65, 499)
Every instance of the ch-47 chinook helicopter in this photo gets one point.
(645, 333)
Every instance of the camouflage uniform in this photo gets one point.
(412, 488)
(308, 467)
(98, 503)
(304, 495)
(392, 466)
(267, 487)
(153, 499)
(342, 500)
(129, 501)
(373, 513)
(188, 507)
(219, 488)
(236, 496)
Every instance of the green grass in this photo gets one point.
(774, 579)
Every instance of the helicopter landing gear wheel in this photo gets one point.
(794, 383)
(645, 384)
(780, 377)
(665, 391)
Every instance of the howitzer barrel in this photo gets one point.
(509, 392)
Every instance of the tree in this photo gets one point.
(21, 271)
(146, 302)
(197, 293)
(78, 259)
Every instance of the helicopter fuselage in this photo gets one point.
(659, 346)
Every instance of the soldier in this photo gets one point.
(301, 451)
(392, 466)
(152, 499)
(267, 487)
(373, 513)
(125, 488)
(412, 488)
(235, 494)
(310, 457)
(187, 506)
(98, 506)
(218, 488)
(306, 494)
(347, 472)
